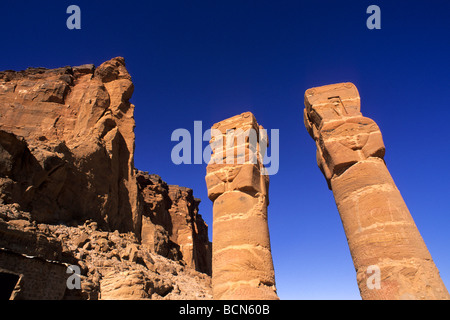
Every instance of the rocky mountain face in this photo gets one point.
(68, 181)
(171, 224)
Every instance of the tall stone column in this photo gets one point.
(242, 267)
(389, 254)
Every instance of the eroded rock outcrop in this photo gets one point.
(171, 224)
(381, 233)
(78, 127)
(242, 258)
(67, 169)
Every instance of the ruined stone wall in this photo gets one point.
(39, 279)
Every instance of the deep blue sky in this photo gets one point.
(209, 60)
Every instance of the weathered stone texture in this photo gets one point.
(171, 225)
(38, 279)
(32, 255)
(242, 259)
(113, 265)
(69, 190)
(76, 131)
(379, 228)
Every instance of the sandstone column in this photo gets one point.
(242, 260)
(383, 238)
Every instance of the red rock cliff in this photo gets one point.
(78, 125)
(66, 156)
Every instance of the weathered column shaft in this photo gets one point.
(242, 260)
(389, 254)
